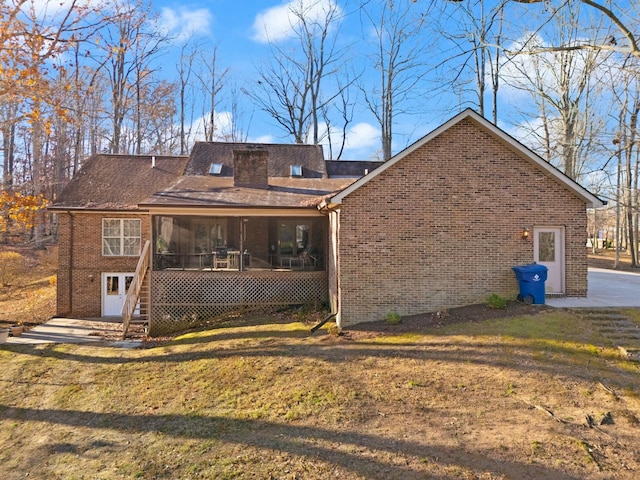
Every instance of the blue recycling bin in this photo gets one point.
(531, 280)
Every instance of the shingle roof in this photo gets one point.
(350, 168)
(128, 182)
(281, 157)
(119, 181)
(207, 191)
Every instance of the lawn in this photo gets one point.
(503, 398)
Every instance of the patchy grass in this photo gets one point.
(497, 399)
(30, 294)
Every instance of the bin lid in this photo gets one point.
(531, 268)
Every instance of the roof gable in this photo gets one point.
(590, 199)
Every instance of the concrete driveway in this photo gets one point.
(606, 288)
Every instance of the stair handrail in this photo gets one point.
(133, 294)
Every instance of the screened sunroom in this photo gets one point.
(239, 243)
(207, 266)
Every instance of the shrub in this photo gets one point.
(496, 301)
(393, 318)
(12, 265)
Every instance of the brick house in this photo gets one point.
(441, 224)
(181, 240)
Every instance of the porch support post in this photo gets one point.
(243, 221)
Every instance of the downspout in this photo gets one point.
(330, 210)
(325, 320)
(70, 267)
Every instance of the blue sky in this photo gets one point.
(238, 29)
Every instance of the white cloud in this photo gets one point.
(279, 23)
(224, 124)
(361, 143)
(363, 136)
(263, 139)
(545, 70)
(184, 23)
(53, 9)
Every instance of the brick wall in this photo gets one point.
(81, 264)
(442, 228)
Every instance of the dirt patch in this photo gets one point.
(427, 321)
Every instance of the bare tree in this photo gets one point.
(400, 61)
(295, 87)
(185, 70)
(212, 81)
(477, 53)
(8, 113)
(129, 46)
(565, 86)
(626, 91)
(621, 15)
(236, 131)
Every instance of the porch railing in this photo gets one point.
(133, 294)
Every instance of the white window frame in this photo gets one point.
(117, 244)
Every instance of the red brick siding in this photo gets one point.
(442, 228)
(78, 295)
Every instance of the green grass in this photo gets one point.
(269, 400)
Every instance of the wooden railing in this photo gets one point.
(133, 294)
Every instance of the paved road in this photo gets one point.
(607, 288)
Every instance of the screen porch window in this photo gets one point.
(121, 237)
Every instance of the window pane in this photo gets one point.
(110, 246)
(121, 236)
(286, 239)
(546, 247)
(127, 283)
(131, 246)
(112, 285)
(131, 228)
(111, 227)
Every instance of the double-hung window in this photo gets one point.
(121, 237)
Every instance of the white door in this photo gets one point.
(114, 290)
(548, 247)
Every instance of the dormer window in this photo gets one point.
(215, 169)
(296, 170)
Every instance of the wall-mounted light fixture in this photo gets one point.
(91, 278)
(525, 234)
